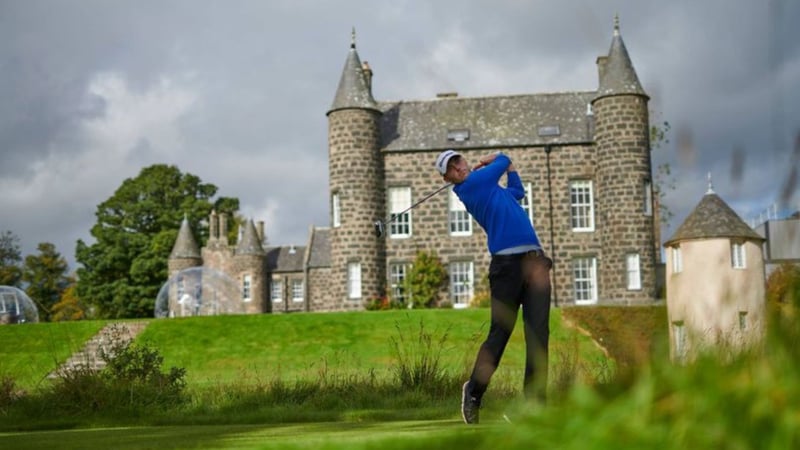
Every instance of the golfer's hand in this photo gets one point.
(485, 160)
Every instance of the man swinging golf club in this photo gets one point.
(519, 273)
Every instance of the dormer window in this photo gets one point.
(458, 135)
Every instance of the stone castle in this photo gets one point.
(584, 158)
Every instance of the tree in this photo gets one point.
(663, 176)
(46, 278)
(135, 231)
(69, 307)
(426, 277)
(10, 258)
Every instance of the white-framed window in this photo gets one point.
(335, 209)
(737, 255)
(677, 260)
(527, 201)
(399, 201)
(276, 291)
(584, 274)
(461, 283)
(634, 271)
(679, 337)
(460, 222)
(581, 202)
(354, 280)
(397, 280)
(297, 290)
(648, 198)
(247, 285)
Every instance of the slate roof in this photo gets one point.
(320, 248)
(185, 245)
(285, 259)
(353, 90)
(713, 218)
(504, 121)
(618, 76)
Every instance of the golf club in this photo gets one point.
(380, 225)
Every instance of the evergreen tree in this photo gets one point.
(10, 259)
(45, 276)
(135, 231)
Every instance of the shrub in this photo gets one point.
(8, 393)
(426, 278)
(382, 304)
(131, 381)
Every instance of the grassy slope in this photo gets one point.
(30, 351)
(259, 348)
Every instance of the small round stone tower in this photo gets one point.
(356, 187)
(250, 263)
(623, 179)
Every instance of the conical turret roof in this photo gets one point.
(250, 244)
(713, 218)
(354, 90)
(619, 77)
(185, 245)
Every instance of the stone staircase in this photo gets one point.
(90, 356)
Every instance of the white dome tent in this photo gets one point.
(16, 306)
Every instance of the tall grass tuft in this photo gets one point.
(418, 359)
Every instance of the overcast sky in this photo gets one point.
(234, 91)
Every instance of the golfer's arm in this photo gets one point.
(514, 185)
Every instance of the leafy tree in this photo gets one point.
(46, 277)
(663, 177)
(426, 278)
(783, 285)
(135, 231)
(10, 259)
(69, 307)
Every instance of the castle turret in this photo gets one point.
(185, 252)
(356, 188)
(715, 281)
(623, 180)
(250, 263)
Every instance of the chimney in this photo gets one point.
(261, 232)
(367, 74)
(223, 228)
(601, 67)
(213, 226)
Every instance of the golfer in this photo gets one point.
(519, 273)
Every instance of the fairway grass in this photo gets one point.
(325, 435)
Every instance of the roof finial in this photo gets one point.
(710, 186)
(616, 24)
(353, 38)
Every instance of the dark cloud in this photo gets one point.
(236, 92)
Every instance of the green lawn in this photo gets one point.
(257, 349)
(326, 435)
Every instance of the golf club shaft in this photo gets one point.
(391, 217)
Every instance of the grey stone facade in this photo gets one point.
(585, 156)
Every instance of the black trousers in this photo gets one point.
(516, 281)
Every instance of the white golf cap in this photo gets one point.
(443, 158)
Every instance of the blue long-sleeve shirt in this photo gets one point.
(496, 208)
